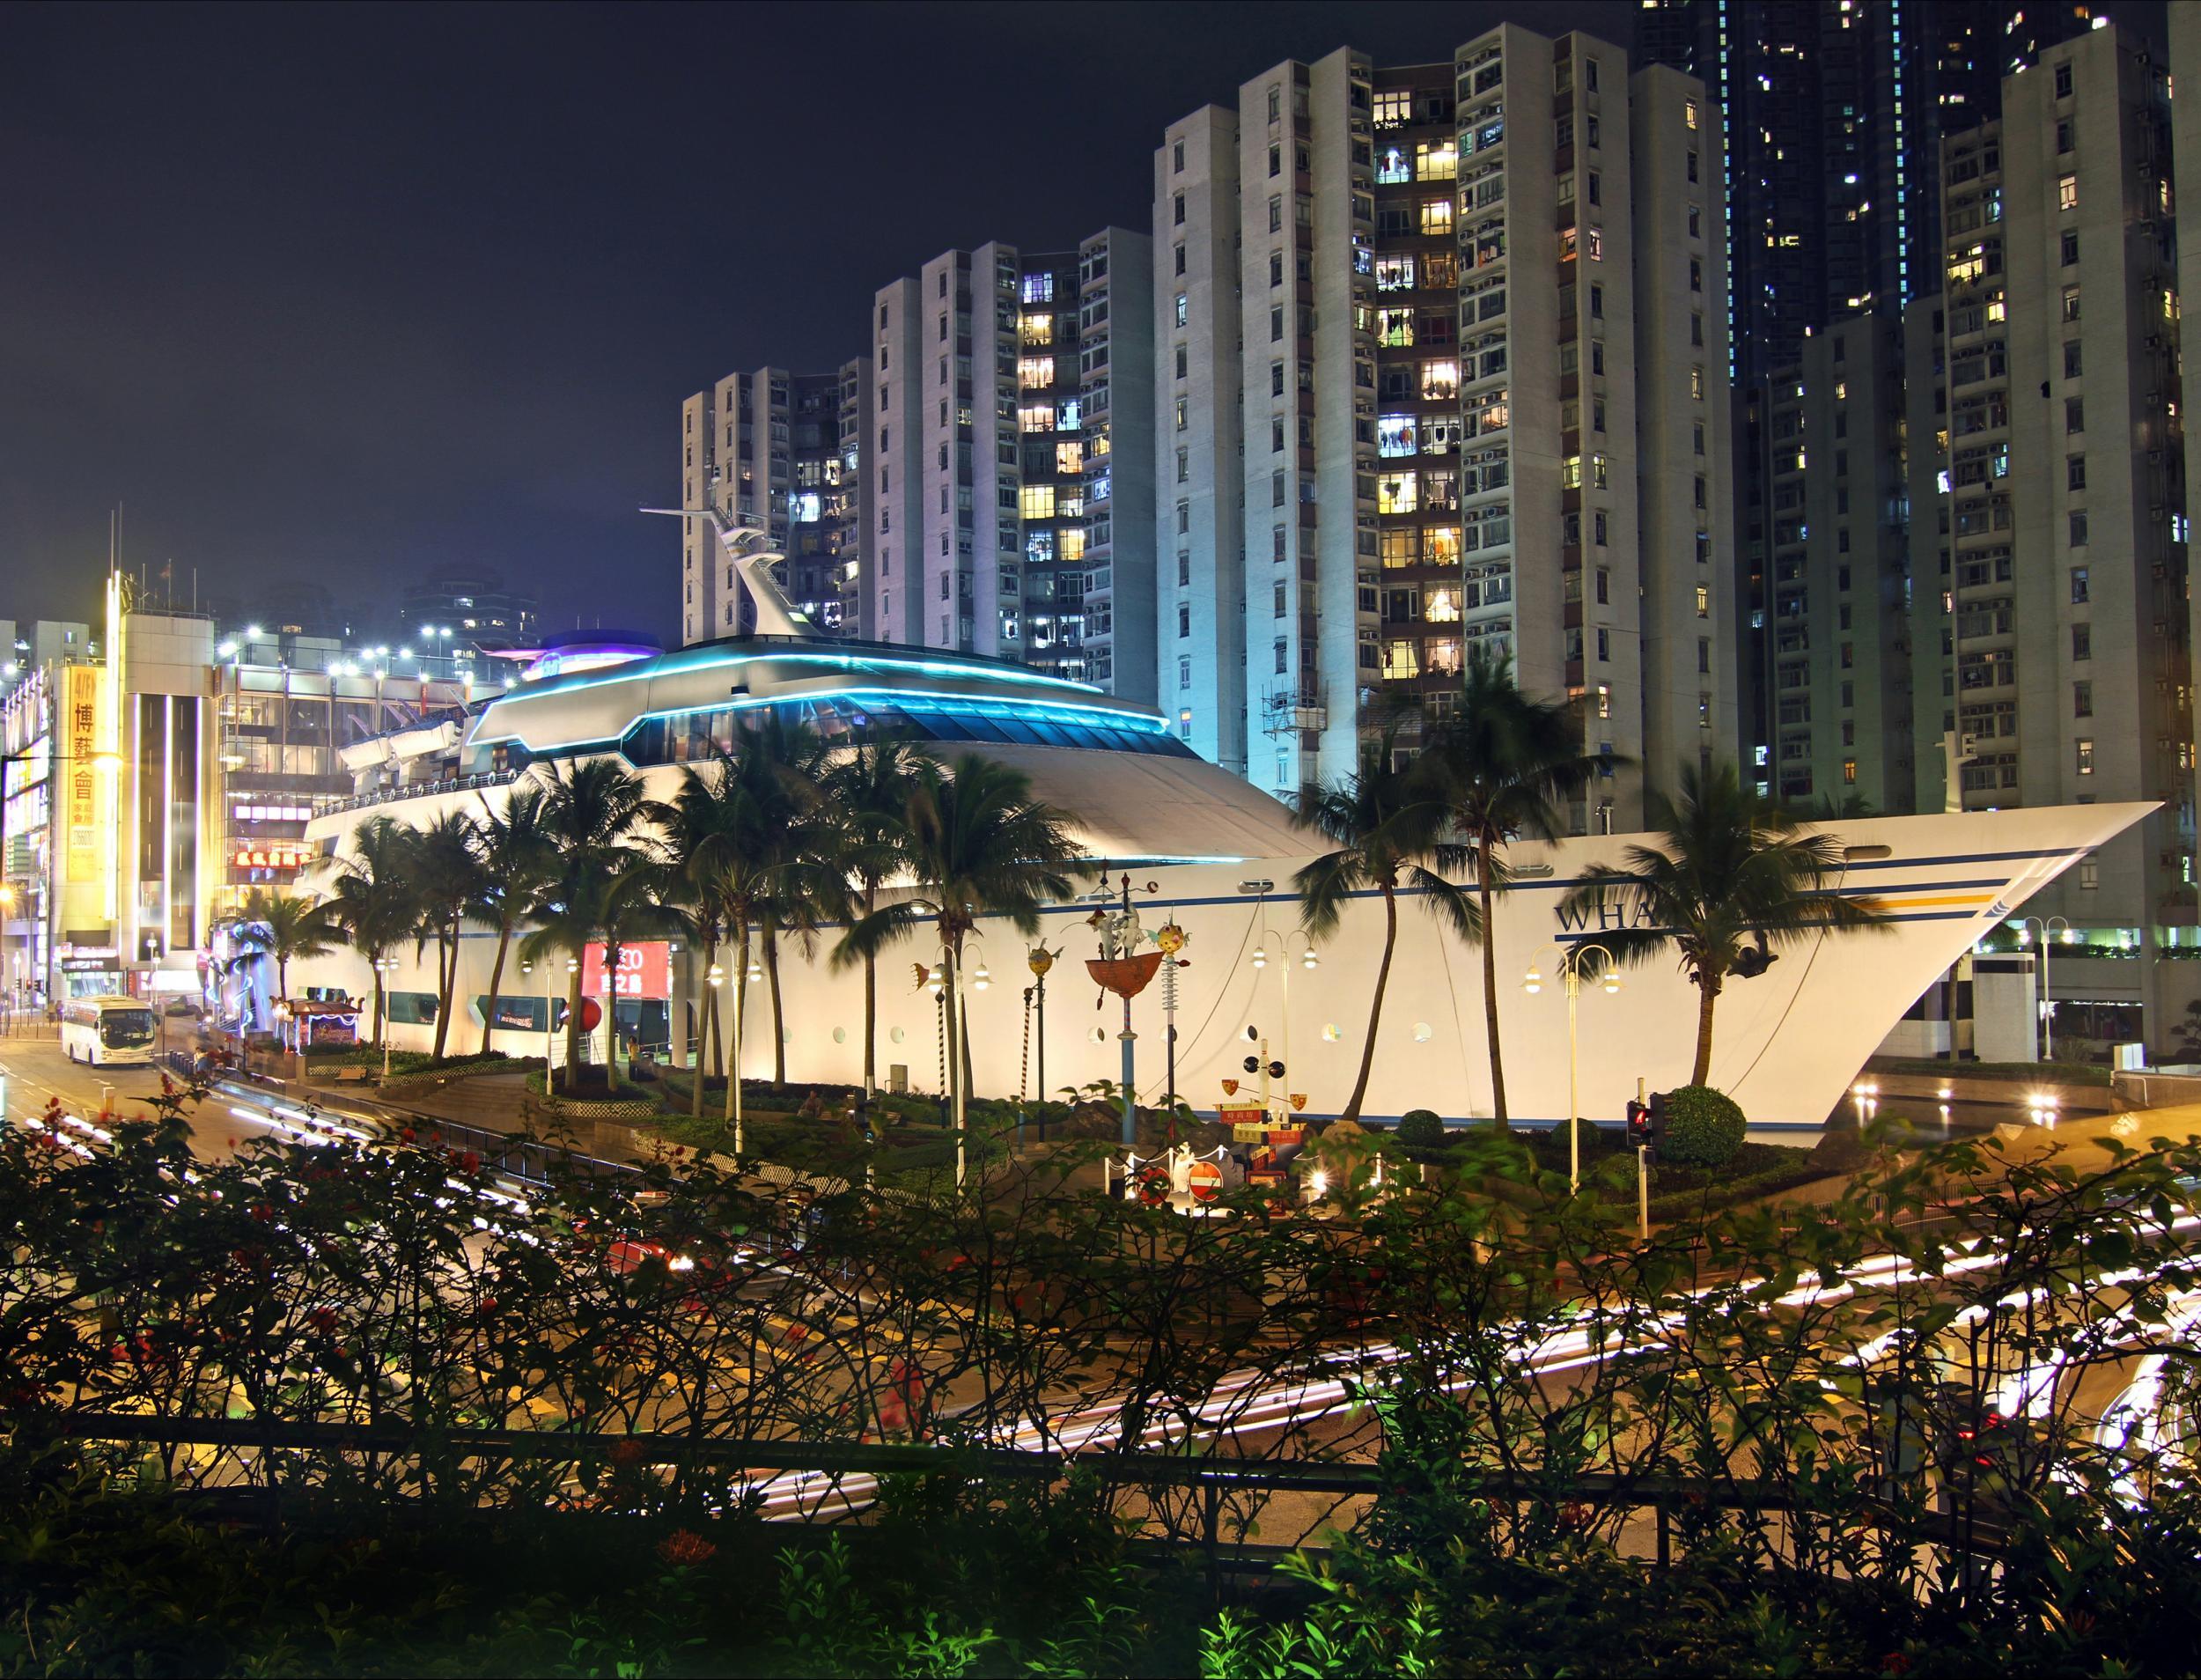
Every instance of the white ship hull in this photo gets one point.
(1787, 1045)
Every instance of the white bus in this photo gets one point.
(107, 1030)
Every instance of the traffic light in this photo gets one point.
(1638, 1124)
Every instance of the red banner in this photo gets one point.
(644, 971)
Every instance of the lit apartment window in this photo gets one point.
(1604, 700)
(2085, 746)
(1036, 502)
(1036, 372)
(1039, 419)
(1441, 380)
(1184, 313)
(1704, 601)
(1392, 110)
(1392, 273)
(1397, 492)
(1436, 160)
(1395, 329)
(2068, 192)
(1688, 118)
(1437, 216)
(1392, 167)
(1395, 435)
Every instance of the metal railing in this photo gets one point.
(422, 790)
(254, 1445)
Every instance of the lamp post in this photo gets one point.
(387, 967)
(1039, 958)
(1570, 971)
(550, 1023)
(2048, 1003)
(749, 971)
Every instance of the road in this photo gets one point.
(38, 1071)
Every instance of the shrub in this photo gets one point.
(1703, 1127)
(1421, 1129)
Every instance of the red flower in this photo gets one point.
(470, 1161)
(682, 1550)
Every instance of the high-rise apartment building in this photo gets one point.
(2058, 533)
(1836, 471)
(781, 452)
(1473, 387)
(999, 492)
(1106, 616)
(1832, 113)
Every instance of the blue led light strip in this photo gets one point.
(1041, 711)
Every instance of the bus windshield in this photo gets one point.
(126, 1028)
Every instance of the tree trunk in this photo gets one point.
(704, 1019)
(611, 1011)
(381, 1024)
(1707, 994)
(771, 979)
(871, 998)
(446, 983)
(734, 1049)
(1489, 985)
(573, 1029)
(1375, 1003)
(497, 979)
(282, 977)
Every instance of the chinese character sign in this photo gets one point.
(80, 812)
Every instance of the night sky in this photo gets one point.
(355, 293)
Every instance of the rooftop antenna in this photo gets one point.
(749, 548)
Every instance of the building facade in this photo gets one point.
(1004, 469)
(1475, 386)
(465, 613)
(2057, 539)
(1832, 113)
(1835, 469)
(781, 452)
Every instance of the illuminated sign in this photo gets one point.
(275, 854)
(80, 780)
(644, 971)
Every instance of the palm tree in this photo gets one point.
(517, 860)
(447, 878)
(283, 928)
(978, 843)
(783, 765)
(594, 813)
(1509, 763)
(371, 898)
(1387, 824)
(705, 829)
(1731, 876)
(869, 793)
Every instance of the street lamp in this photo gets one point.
(1571, 972)
(2047, 1003)
(387, 967)
(750, 971)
